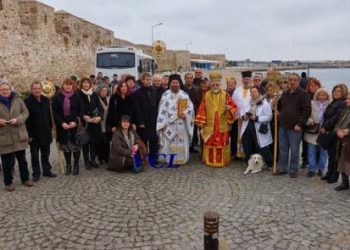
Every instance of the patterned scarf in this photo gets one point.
(253, 104)
(320, 111)
(66, 102)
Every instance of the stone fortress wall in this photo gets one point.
(36, 41)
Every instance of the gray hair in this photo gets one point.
(294, 74)
(100, 88)
(5, 81)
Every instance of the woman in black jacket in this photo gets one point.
(120, 104)
(330, 119)
(67, 109)
(93, 113)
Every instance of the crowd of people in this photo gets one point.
(167, 120)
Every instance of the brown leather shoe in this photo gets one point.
(28, 183)
(9, 188)
(293, 175)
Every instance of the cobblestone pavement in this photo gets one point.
(163, 209)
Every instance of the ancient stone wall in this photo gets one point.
(37, 42)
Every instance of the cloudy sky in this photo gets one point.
(255, 29)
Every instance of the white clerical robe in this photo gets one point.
(175, 134)
(242, 99)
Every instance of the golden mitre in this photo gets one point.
(215, 76)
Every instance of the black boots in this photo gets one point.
(334, 177)
(87, 163)
(68, 158)
(344, 184)
(93, 157)
(76, 156)
(89, 157)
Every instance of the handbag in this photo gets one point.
(81, 137)
(325, 140)
(314, 129)
(263, 128)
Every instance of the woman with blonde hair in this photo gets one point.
(318, 107)
(93, 113)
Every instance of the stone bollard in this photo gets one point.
(211, 231)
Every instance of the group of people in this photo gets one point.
(165, 119)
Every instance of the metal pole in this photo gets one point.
(211, 230)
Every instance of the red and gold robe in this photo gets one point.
(215, 122)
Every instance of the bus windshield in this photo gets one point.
(115, 60)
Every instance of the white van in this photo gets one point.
(123, 60)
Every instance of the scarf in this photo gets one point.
(320, 111)
(87, 93)
(253, 104)
(129, 138)
(6, 101)
(104, 100)
(66, 102)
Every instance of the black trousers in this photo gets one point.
(234, 138)
(44, 158)
(195, 138)
(332, 159)
(251, 145)
(103, 147)
(8, 163)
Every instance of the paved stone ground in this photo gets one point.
(163, 209)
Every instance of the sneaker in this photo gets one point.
(282, 172)
(36, 178)
(28, 183)
(311, 174)
(9, 188)
(293, 175)
(50, 174)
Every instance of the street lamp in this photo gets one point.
(158, 24)
(188, 44)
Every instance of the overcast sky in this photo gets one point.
(255, 29)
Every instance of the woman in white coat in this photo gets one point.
(256, 131)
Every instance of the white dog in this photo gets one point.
(255, 164)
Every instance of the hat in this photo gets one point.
(175, 77)
(215, 76)
(246, 74)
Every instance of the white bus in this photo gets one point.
(123, 60)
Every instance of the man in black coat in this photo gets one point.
(190, 89)
(146, 111)
(39, 131)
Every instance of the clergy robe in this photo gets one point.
(175, 134)
(215, 122)
(242, 98)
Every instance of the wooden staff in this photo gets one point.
(275, 122)
(54, 135)
(49, 90)
(275, 77)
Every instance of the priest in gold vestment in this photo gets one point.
(214, 116)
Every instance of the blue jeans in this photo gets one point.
(311, 157)
(289, 140)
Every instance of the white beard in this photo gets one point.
(216, 91)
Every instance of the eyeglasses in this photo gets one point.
(4, 89)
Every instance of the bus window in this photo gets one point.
(146, 65)
(139, 68)
(115, 60)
